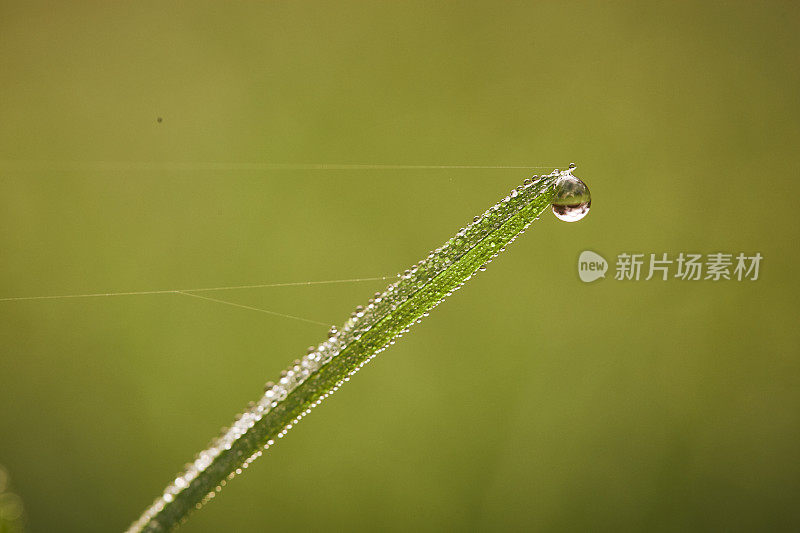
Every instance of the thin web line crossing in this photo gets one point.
(172, 165)
(175, 165)
(175, 291)
(191, 292)
(274, 313)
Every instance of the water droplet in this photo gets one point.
(572, 201)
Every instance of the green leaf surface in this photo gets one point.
(369, 330)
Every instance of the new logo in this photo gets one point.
(591, 266)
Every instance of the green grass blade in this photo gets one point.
(369, 331)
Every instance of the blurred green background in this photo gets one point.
(529, 400)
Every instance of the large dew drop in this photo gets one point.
(572, 201)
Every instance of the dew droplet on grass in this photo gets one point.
(573, 200)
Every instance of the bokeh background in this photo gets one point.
(529, 400)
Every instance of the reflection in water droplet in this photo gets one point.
(572, 201)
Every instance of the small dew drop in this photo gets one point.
(572, 201)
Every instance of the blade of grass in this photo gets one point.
(369, 331)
